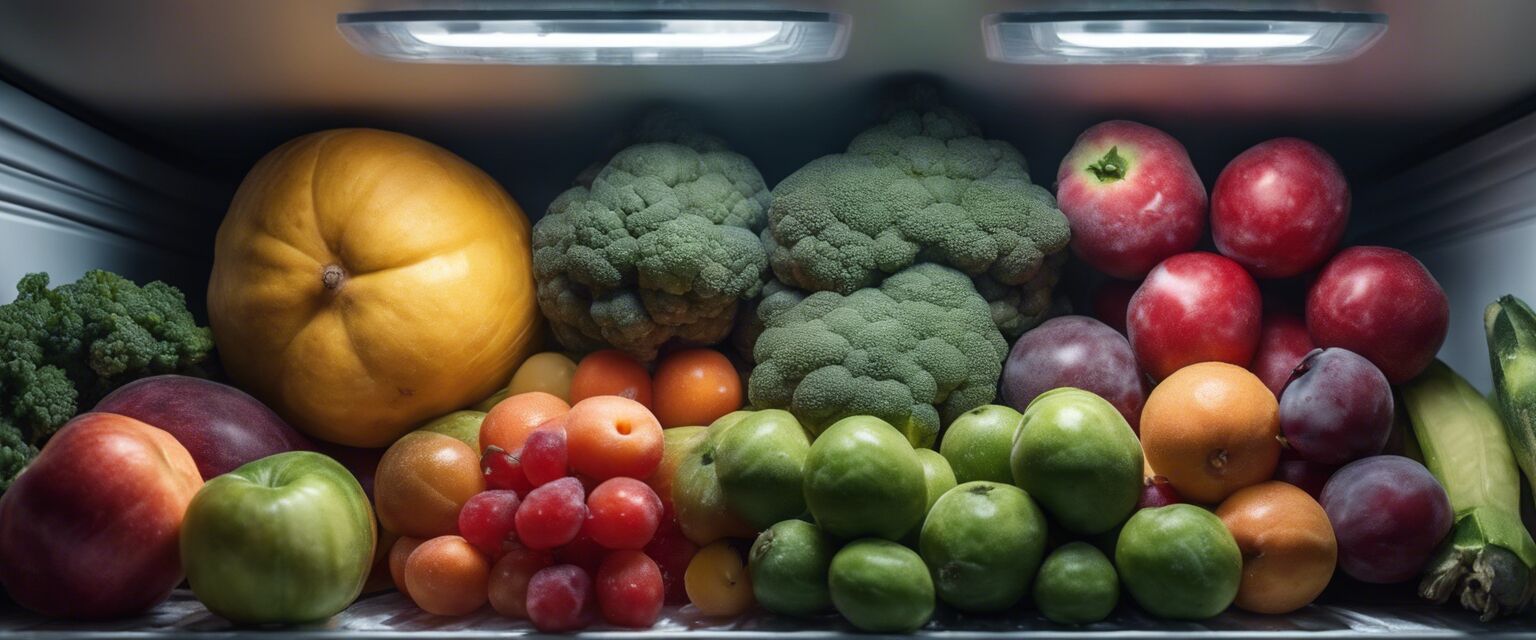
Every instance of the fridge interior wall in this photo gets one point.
(124, 127)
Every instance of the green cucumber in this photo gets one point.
(1487, 562)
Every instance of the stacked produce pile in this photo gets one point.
(854, 392)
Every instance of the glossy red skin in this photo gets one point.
(1389, 515)
(1283, 342)
(91, 529)
(1074, 351)
(629, 589)
(221, 426)
(1382, 304)
(622, 513)
(1194, 307)
(1110, 302)
(1125, 227)
(1280, 208)
(672, 553)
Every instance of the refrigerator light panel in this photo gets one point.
(1180, 37)
(599, 38)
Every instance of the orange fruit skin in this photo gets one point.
(1211, 428)
(422, 482)
(612, 437)
(399, 552)
(447, 576)
(611, 372)
(508, 423)
(694, 387)
(1289, 550)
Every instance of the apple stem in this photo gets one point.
(1109, 168)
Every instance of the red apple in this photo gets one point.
(1280, 208)
(1131, 196)
(1194, 307)
(1382, 304)
(221, 426)
(1283, 342)
(1110, 302)
(91, 528)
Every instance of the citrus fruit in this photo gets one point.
(1211, 428)
(880, 586)
(1179, 561)
(1078, 457)
(1077, 585)
(1289, 551)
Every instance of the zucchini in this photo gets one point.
(1512, 351)
(1488, 562)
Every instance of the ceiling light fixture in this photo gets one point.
(599, 37)
(1180, 37)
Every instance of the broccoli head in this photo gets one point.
(922, 187)
(65, 348)
(917, 351)
(661, 247)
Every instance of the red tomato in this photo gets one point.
(611, 373)
(694, 387)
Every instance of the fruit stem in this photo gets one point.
(1110, 168)
(332, 276)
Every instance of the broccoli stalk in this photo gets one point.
(65, 348)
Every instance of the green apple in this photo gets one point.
(286, 538)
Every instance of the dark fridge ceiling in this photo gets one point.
(213, 85)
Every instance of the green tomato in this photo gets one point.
(287, 538)
(463, 425)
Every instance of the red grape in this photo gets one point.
(544, 457)
(629, 589)
(672, 553)
(1389, 515)
(504, 471)
(509, 580)
(559, 598)
(623, 513)
(552, 515)
(1336, 408)
(488, 519)
(582, 552)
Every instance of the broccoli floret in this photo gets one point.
(922, 187)
(66, 348)
(916, 352)
(662, 247)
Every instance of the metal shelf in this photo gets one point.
(389, 615)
